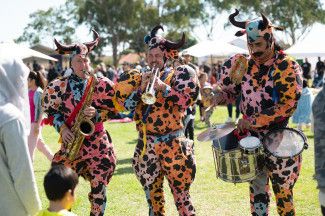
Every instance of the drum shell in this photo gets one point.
(235, 165)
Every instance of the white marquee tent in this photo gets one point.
(13, 49)
(240, 42)
(312, 45)
(217, 48)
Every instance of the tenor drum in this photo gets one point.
(234, 163)
(284, 143)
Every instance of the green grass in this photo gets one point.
(210, 195)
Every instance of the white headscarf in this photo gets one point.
(13, 86)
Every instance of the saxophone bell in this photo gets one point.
(86, 127)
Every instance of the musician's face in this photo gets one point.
(79, 64)
(261, 50)
(155, 58)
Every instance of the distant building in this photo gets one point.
(63, 60)
(132, 58)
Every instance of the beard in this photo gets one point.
(258, 54)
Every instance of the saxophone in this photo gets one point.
(83, 126)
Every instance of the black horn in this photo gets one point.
(64, 48)
(236, 23)
(154, 30)
(92, 44)
(177, 45)
(265, 21)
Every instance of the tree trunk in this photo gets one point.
(292, 34)
(114, 46)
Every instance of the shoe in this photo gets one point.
(229, 120)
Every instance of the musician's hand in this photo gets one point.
(243, 125)
(145, 77)
(90, 112)
(160, 85)
(67, 135)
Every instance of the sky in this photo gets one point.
(14, 16)
(21, 9)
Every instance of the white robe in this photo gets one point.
(18, 190)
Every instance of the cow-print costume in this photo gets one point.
(167, 152)
(96, 159)
(269, 95)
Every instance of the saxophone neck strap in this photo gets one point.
(76, 110)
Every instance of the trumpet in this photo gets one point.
(149, 96)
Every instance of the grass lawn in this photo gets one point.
(210, 196)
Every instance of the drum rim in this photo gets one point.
(268, 153)
(243, 181)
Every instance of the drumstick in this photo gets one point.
(236, 125)
(207, 109)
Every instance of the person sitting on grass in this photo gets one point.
(59, 184)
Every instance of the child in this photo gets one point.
(302, 115)
(203, 78)
(59, 184)
(207, 95)
(35, 90)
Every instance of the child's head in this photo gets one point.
(36, 78)
(203, 77)
(60, 183)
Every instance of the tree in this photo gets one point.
(58, 22)
(150, 17)
(146, 18)
(127, 21)
(112, 18)
(119, 22)
(295, 16)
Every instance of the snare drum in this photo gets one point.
(250, 145)
(232, 163)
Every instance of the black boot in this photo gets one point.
(323, 210)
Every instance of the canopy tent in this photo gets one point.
(13, 49)
(239, 42)
(213, 48)
(311, 45)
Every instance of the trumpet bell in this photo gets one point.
(86, 127)
(148, 98)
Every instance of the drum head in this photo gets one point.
(284, 142)
(250, 142)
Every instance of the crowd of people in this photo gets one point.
(267, 91)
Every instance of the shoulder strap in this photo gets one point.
(79, 105)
